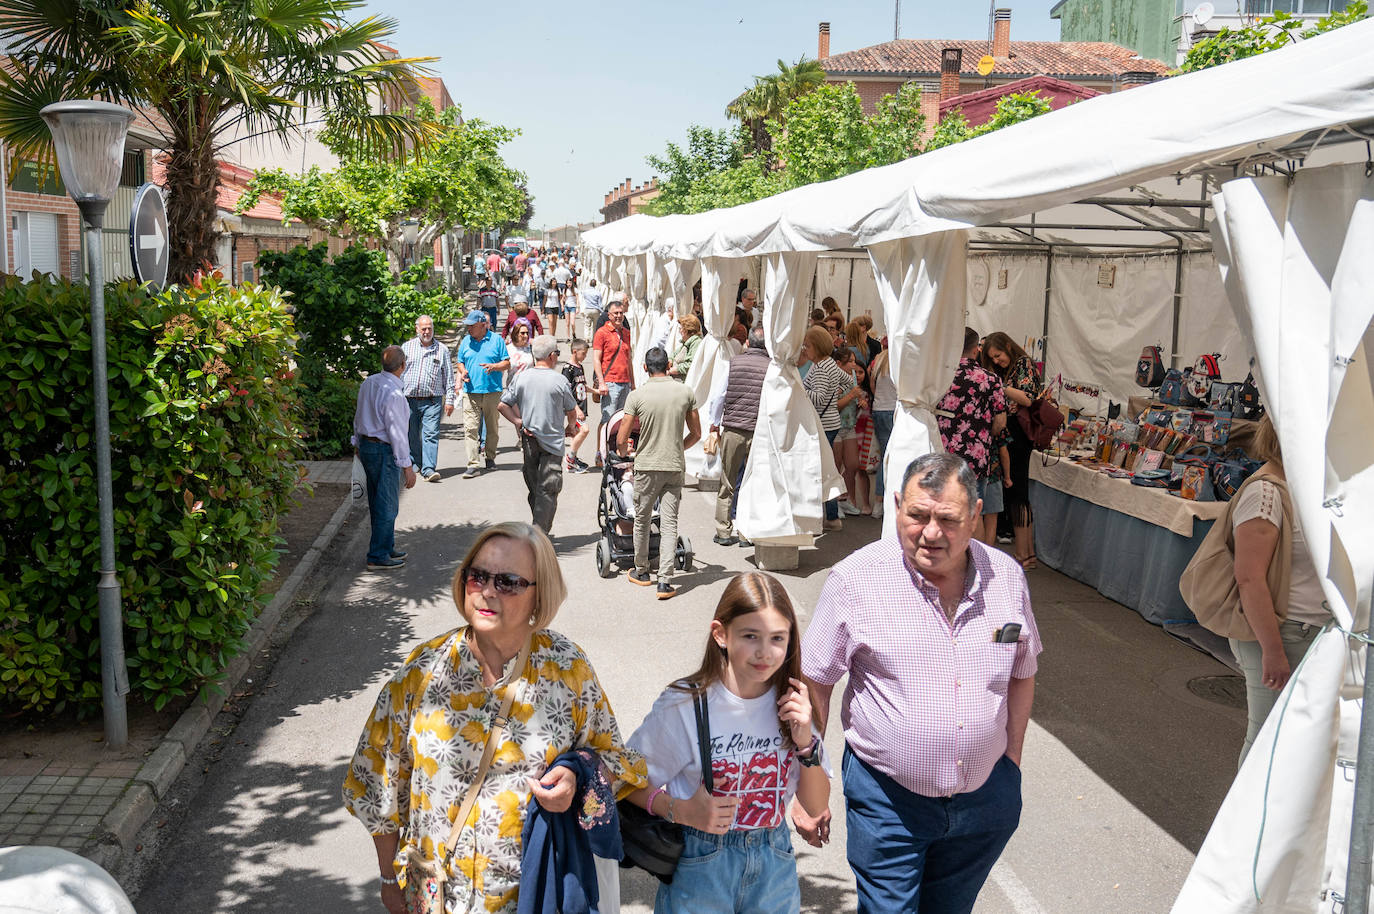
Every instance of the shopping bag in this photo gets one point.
(359, 478)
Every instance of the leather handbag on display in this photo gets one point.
(1230, 473)
(1248, 404)
(1041, 420)
(653, 844)
(1149, 371)
(1171, 389)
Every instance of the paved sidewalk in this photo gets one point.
(96, 807)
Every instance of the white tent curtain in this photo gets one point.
(791, 471)
(1018, 309)
(1296, 262)
(922, 285)
(637, 314)
(719, 277)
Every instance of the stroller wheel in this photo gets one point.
(603, 557)
(684, 554)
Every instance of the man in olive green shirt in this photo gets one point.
(663, 407)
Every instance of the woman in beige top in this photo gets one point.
(1282, 633)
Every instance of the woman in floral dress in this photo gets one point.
(423, 744)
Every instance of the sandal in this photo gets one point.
(1029, 562)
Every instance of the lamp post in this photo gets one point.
(410, 233)
(89, 138)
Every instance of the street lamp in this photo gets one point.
(89, 138)
(410, 233)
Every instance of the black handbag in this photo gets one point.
(653, 844)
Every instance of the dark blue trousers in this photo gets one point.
(922, 855)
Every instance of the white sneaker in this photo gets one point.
(878, 509)
(847, 507)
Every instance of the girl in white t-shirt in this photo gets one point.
(764, 749)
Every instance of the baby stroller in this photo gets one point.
(615, 511)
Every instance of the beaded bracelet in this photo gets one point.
(654, 796)
(386, 881)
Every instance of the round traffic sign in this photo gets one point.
(149, 249)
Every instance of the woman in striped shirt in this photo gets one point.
(825, 385)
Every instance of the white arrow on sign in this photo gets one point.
(156, 241)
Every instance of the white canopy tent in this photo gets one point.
(1297, 247)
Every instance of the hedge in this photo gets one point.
(205, 453)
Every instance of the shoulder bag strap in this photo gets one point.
(498, 732)
(703, 716)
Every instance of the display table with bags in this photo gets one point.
(1129, 542)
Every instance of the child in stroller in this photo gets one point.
(615, 509)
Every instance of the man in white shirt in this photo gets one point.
(381, 433)
(561, 276)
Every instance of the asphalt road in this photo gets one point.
(1124, 766)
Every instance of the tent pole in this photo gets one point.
(1362, 820)
(1178, 304)
(849, 296)
(1045, 330)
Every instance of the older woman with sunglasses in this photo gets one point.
(427, 759)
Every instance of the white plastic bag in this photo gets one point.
(359, 478)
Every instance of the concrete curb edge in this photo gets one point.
(115, 835)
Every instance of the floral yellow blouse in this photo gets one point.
(423, 745)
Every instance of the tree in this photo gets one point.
(1269, 34)
(457, 179)
(1011, 109)
(825, 134)
(767, 99)
(207, 67)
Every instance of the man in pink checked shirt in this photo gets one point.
(936, 634)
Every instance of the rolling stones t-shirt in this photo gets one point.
(748, 756)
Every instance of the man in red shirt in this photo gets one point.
(494, 268)
(612, 377)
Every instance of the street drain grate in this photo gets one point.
(1222, 690)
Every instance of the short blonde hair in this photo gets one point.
(690, 323)
(822, 343)
(1266, 444)
(550, 590)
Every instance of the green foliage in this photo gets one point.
(1269, 34)
(204, 450)
(1011, 109)
(767, 99)
(825, 134)
(355, 291)
(457, 179)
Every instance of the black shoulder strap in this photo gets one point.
(703, 737)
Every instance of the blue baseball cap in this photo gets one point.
(475, 317)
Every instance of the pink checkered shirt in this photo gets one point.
(926, 702)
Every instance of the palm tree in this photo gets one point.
(211, 69)
(767, 99)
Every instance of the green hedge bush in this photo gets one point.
(347, 309)
(205, 450)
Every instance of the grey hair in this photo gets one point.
(393, 358)
(423, 317)
(933, 472)
(757, 338)
(543, 346)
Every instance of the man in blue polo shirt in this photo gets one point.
(482, 358)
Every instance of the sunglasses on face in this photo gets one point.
(504, 582)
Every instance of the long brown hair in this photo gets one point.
(750, 592)
(1000, 340)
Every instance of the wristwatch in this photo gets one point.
(812, 759)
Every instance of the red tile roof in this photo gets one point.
(233, 183)
(910, 57)
(978, 107)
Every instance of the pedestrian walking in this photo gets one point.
(381, 433)
(936, 635)
(561, 277)
(541, 406)
(763, 749)
(577, 380)
(489, 300)
(429, 387)
(591, 308)
(733, 417)
(434, 797)
(482, 356)
(971, 415)
(663, 407)
(612, 378)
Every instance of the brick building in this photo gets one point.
(948, 68)
(626, 200)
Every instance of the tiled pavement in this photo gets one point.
(96, 807)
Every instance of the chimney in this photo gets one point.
(951, 62)
(930, 104)
(1132, 78)
(823, 42)
(1001, 33)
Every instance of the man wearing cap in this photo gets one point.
(429, 386)
(541, 406)
(381, 433)
(482, 358)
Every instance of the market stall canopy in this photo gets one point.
(1280, 104)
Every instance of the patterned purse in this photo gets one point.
(424, 888)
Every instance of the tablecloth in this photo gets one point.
(1154, 506)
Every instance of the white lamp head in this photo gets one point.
(89, 138)
(410, 231)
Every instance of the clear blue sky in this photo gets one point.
(595, 87)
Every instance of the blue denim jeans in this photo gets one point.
(750, 871)
(612, 402)
(425, 413)
(882, 432)
(383, 496)
(832, 507)
(925, 855)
